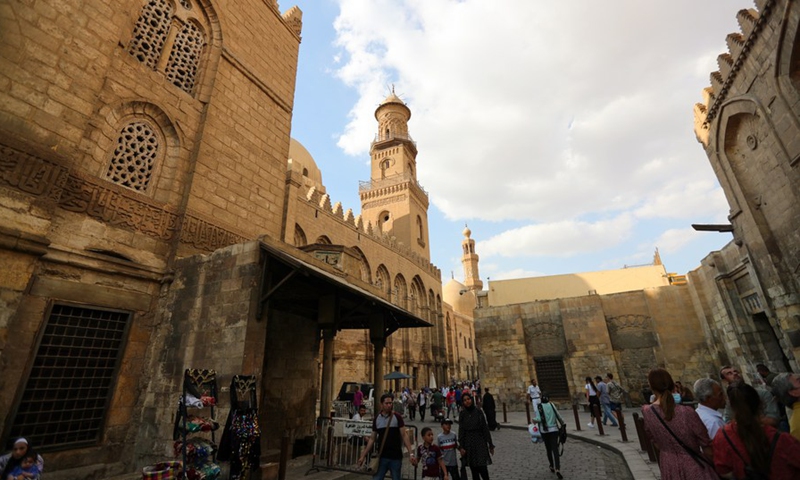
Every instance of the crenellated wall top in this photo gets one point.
(322, 202)
(751, 22)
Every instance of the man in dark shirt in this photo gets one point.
(391, 425)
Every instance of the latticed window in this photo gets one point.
(71, 381)
(152, 41)
(135, 156)
(185, 57)
(151, 32)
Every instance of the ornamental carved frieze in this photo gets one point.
(30, 174)
(111, 204)
(628, 322)
(205, 235)
(385, 201)
(106, 202)
(631, 332)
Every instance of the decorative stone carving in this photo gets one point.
(31, 175)
(150, 32)
(135, 156)
(185, 57)
(207, 236)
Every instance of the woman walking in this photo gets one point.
(548, 418)
(474, 439)
(593, 398)
(678, 433)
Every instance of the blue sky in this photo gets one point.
(561, 132)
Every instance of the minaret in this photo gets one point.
(393, 201)
(469, 259)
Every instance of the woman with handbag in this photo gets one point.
(678, 433)
(549, 420)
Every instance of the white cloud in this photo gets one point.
(552, 115)
(558, 239)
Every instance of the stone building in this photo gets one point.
(741, 306)
(749, 126)
(157, 216)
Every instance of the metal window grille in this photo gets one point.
(552, 377)
(72, 377)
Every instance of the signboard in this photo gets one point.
(358, 428)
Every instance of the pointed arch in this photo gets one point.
(366, 272)
(299, 236)
(400, 292)
(323, 240)
(382, 279)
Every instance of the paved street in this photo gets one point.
(516, 458)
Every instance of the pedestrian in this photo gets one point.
(412, 404)
(605, 402)
(709, 394)
(474, 439)
(549, 420)
(747, 447)
(616, 393)
(678, 433)
(430, 456)
(448, 444)
(593, 399)
(387, 429)
(490, 410)
(12, 460)
(535, 393)
(422, 404)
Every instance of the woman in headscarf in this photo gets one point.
(474, 439)
(10, 461)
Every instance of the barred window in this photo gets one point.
(71, 381)
(135, 156)
(151, 32)
(552, 377)
(185, 57)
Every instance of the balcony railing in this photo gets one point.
(391, 181)
(382, 137)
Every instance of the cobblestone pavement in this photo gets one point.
(516, 458)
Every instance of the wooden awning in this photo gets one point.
(305, 286)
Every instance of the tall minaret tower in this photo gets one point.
(393, 201)
(469, 259)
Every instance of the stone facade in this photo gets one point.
(749, 126)
(624, 333)
(143, 150)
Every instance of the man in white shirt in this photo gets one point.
(535, 393)
(709, 393)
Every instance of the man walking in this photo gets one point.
(388, 430)
(535, 393)
(605, 402)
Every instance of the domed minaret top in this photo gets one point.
(467, 232)
(395, 104)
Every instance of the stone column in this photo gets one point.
(326, 396)
(377, 335)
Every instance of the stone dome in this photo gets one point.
(303, 163)
(467, 232)
(392, 98)
(458, 296)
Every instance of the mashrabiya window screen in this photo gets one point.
(70, 384)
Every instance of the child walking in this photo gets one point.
(448, 444)
(430, 457)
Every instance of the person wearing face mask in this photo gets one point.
(678, 433)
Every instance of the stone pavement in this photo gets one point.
(586, 455)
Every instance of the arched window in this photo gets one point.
(151, 41)
(382, 279)
(363, 265)
(299, 236)
(400, 291)
(322, 239)
(135, 156)
(385, 222)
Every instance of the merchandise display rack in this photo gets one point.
(199, 394)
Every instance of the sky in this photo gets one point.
(561, 133)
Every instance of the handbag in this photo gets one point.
(536, 435)
(562, 437)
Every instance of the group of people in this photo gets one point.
(606, 395)
(22, 463)
(747, 435)
(437, 460)
(444, 402)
